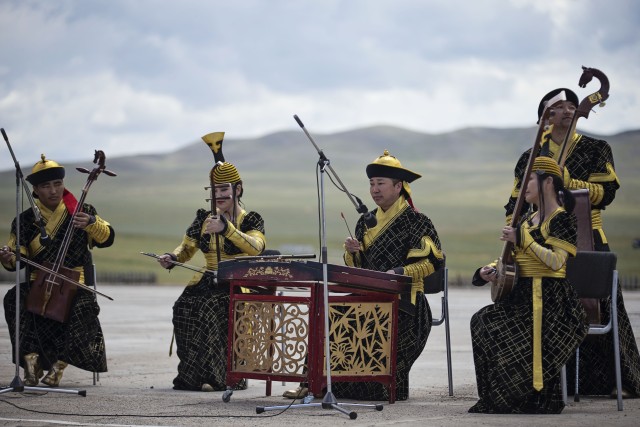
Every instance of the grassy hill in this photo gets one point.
(467, 177)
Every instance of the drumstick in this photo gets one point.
(345, 223)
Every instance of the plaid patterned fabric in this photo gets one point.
(590, 157)
(390, 249)
(201, 317)
(502, 338)
(78, 342)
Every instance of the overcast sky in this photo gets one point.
(139, 76)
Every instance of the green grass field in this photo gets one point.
(467, 177)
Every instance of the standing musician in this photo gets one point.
(403, 241)
(201, 313)
(589, 165)
(47, 344)
(521, 343)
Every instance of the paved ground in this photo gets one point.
(137, 389)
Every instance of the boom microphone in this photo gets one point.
(370, 220)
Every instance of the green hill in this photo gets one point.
(467, 177)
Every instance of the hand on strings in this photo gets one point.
(214, 225)
(351, 245)
(508, 234)
(165, 261)
(489, 273)
(81, 220)
(6, 254)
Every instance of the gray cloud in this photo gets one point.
(141, 76)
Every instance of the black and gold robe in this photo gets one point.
(79, 341)
(590, 164)
(407, 242)
(521, 343)
(201, 313)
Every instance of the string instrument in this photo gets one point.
(180, 264)
(582, 209)
(506, 268)
(214, 142)
(54, 288)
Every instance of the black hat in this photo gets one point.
(568, 94)
(45, 170)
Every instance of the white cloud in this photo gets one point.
(130, 77)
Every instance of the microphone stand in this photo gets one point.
(16, 384)
(329, 401)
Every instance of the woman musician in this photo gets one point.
(521, 342)
(201, 313)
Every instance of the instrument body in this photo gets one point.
(506, 268)
(53, 291)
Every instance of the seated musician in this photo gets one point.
(201, 313)
(47, 344)
(521, 343)
(589, 164)
(404, 241)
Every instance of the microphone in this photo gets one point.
(370, 220)
(44, 237)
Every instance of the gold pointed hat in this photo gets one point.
(45, 170)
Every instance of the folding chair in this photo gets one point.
(434, 283)
(594, 275)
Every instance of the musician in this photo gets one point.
(47, 344)
(589, 165)
(521, 343)
(201, 313)
(403, 241)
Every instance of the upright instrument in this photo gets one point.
(54, 288)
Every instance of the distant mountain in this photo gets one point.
(467, 177)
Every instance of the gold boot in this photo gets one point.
(52, 379)
(32, 370)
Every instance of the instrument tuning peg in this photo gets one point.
(83, 170)
(108, 172)
(602, 104)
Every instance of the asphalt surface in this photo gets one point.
(137, 389)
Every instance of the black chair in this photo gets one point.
(594, 275)
(435, 283)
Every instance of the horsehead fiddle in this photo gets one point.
(506, 269)
(586, 105)
(214, 142)
(54, 288)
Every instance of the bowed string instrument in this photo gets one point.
(506, 269)
(214, 142)
(54, 288)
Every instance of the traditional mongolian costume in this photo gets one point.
(521, 343)
(405, 241)
(201, 313)
(45, 343)
(590, 165)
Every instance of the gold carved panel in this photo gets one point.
(272, 337)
